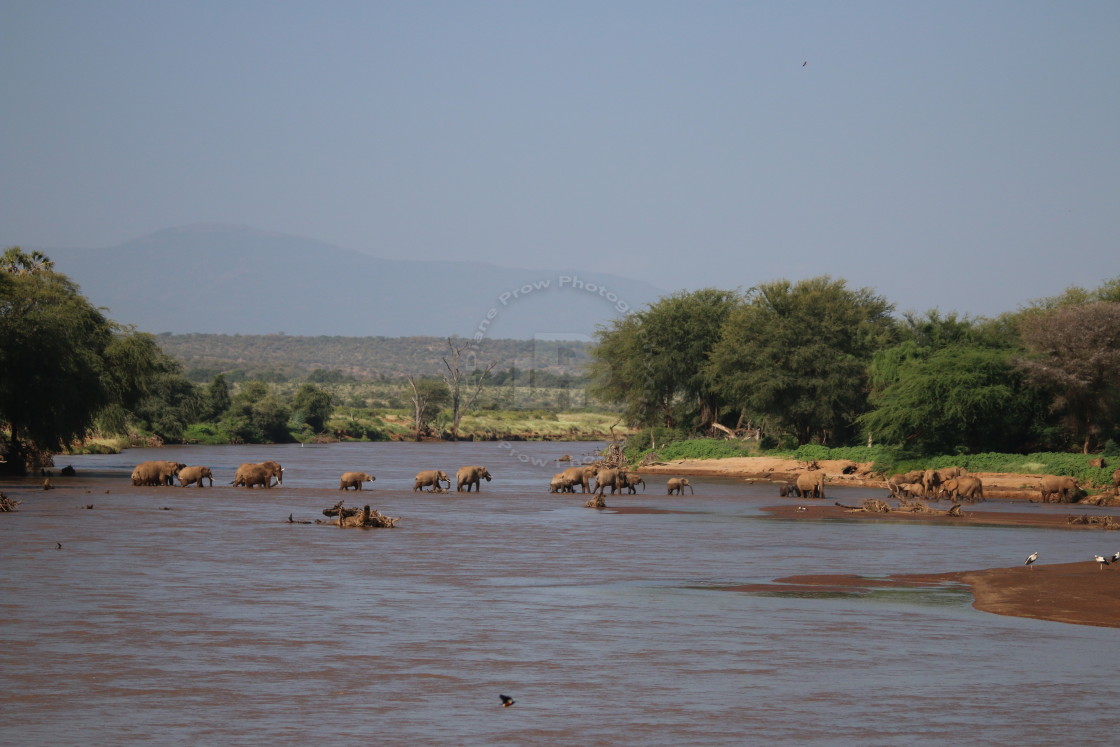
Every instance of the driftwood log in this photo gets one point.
(359, 517)
(7, 504)
(1105, 522)
(876, 506)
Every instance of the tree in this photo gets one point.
(428, 398)
(171, 402)
(256, 415)
(797, 354)
(939, 400)
(1073, 353)
(454, 381)
(653, 362)
(217, 397)
(313, 406)
(62, 362)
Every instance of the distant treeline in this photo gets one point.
(327, 359)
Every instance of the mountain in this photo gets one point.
(236, 280)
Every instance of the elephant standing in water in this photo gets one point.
(678, 484)
(581, 476)
(613, 478)
(191, 475)
(156, 473)
(633, 479)
(432, 477)
(560, 483)
(250, 474)
(811, 485)
(1062, 486)
(354, 480)
(968, 487)
(471, 475)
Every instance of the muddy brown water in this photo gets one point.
(186, 616)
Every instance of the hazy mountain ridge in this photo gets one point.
(236, 280)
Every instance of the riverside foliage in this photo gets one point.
(815, 362)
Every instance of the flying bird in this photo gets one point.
(58, 545)
(1031, 558)
(507, 701)
(803, 64)
(1102, 560)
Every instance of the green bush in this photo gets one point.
(205, 433)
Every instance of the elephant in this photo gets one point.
(948, 473)
(1062, 486)
(581, 476)
(354, 480)
(560, 483)
(156, 473)
(789, 489)
(967, 487)
(612, 478)
(190, 475)
(678, 484)
(931, 483)
(1116, 482)
(250, 474)
(471, 475)
(432, 477)
(811, 485)
(1099, 463)
(632, 481)
(895, 482)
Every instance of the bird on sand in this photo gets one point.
(1116, 557)
(1102, 560)
(507, 701)
(1031, 558)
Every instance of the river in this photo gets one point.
(187, 616)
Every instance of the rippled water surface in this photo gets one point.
(203, 617)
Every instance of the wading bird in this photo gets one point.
(1102, 560)
(1031, 558)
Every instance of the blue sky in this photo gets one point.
(958, 155)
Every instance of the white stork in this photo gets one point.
(1116, 557)
(1102, 560)
(1031, 558)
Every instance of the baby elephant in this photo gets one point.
(191, 475)
(678, 484)
(432, 477)
(354, 480)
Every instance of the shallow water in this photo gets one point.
(201, 616)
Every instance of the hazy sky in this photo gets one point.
(961, 155)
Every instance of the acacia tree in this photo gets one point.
(797, 355)
(941, 400)
(1073, 353)
(652, 362)
(62, 362)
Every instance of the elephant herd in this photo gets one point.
(953, 483)
(249, 475)
(603, 478)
